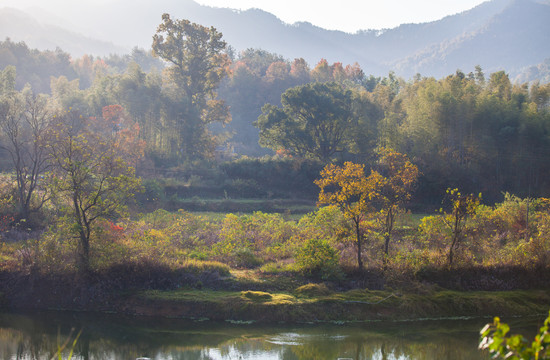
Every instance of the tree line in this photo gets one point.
(480, 132)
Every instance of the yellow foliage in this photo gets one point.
(346, 187)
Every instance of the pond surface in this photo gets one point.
(35, 336)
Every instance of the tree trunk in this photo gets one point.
(456, 239)
(84, 252)
(450, 256)
(387, 235)
(454, 245)
(386, 248)
(84, 237)
(359, 243)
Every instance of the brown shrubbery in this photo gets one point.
(503, 247)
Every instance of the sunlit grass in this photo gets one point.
(387, 304)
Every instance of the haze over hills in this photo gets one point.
(20, 26)
(498, 34)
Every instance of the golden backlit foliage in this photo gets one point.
(379, 196)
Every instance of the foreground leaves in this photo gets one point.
(495, 338)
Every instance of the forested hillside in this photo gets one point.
(540, 72)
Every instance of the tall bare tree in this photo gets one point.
(24, 119)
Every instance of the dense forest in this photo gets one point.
(99, 154)
(476, 130)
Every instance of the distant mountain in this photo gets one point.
(498, 34)
(515, 37)
(20, 26)
(539, 72)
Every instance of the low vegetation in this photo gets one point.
(258, 256)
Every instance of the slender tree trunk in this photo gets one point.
(386, 247)
(359, 237)
(387, 234)
(450, 256)
(84, 252)
(456, 239)
(84, 238)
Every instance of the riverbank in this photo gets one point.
(351, 306)
(280, 300)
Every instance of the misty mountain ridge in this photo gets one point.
(498, 35)
(19, 26)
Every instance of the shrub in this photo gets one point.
(154, 192)
(197, 255)
(198, 267)
(278, 267)
(246, 258)
(259, 233)
(327, 222)
(7, 203)
(318, 258)
(55, 253)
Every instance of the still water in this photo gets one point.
(36, 336)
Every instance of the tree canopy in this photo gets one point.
(198, 66)
(315, 121)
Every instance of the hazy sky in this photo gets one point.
(353, 15)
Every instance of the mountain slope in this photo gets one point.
(19, 26)
(510, 40)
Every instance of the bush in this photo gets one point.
(246, 258)
(260, 233)
(318, 258)
(7, 203)
(327, 222)
(199, 267)
(278, 268)
(154, 192)
(198, 255)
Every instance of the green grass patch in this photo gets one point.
(354, 305)
(257, 296)
(365, 297)
(206, 296)
(278, 268)
(313, 290)
(200, 266)
(267, 298)
(219, 297)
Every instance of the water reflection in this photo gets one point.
(35, 336)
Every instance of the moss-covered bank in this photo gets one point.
(350, 306)
(249, 295)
